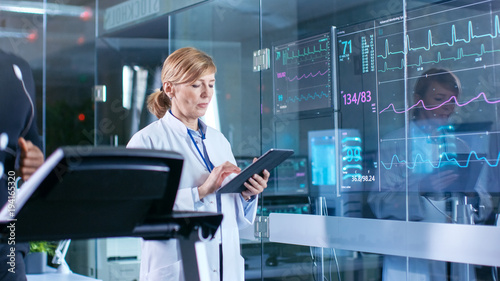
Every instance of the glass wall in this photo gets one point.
(402, 134)
(22, 34)
(56, 38)
(390, 106)
(229, 32)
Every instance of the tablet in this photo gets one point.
(267, 161)
(467, 166)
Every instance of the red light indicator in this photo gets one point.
(32, 36)
(85, 16)
(81, 117)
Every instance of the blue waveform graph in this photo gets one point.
(440, 58)
(302, 97)
(306, 52)
(444, 160)
(454, 39)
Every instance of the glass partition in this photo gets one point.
(391, 108)
(376, 146)
(69, 58)
(229, 32)
(217, 28)
(56, 39)
(22, 34)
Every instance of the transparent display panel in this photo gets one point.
(385, 149)
(391, 108)
(303, 75)
(445, 152)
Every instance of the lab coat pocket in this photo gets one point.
(170, 272)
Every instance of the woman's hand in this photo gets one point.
(216, 178)
(31, 158)
(256, 184)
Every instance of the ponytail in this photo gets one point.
(158, 103)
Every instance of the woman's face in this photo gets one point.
(433, 99)
(190, 101)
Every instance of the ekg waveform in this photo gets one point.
(305, 52)
(440, 58)
(454, 39)
(453, 98)
(444, 159)
(307, 97)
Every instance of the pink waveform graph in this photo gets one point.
(307, 76)
(440, 105)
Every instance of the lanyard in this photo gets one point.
(209, 167)
(208, 164)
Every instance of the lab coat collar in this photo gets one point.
(178, 126)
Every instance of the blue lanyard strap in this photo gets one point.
(209, 167)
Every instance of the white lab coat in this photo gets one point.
(161, 259)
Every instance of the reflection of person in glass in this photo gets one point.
(19, 145)
(434, 96)
(188, 78)
(422, 159)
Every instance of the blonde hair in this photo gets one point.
(184, 66)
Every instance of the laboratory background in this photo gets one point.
(385, 183)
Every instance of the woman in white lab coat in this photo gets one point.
(188, 78)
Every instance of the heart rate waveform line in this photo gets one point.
(460, 55)
(303, 76)
(307, 97)
(453, 98)
(306, 51)
(441, 163)
(454, 39)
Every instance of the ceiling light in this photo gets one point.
(40, 8)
